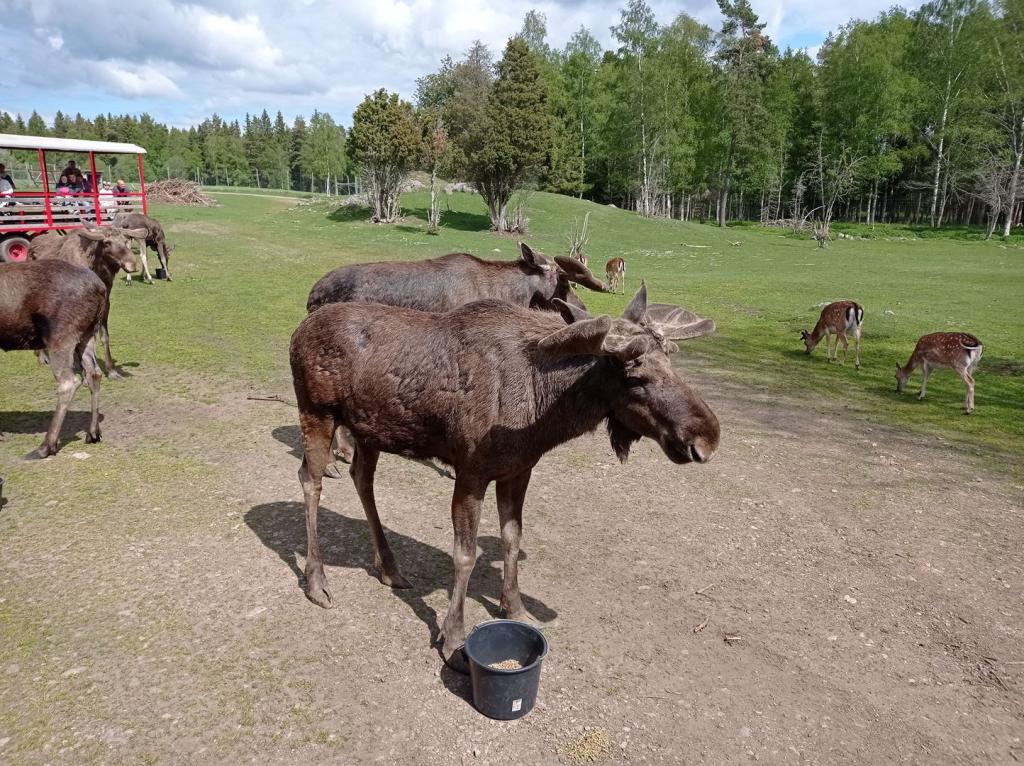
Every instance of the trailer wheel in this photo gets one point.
(14, 250)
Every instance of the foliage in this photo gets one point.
(384, 143)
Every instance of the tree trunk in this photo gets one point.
(939, 157)
(1011, 196)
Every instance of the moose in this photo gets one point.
(837, 319)
(445, 283)
(154, 240)
(442, 284)
(488, 388)
(104, 251)
(56, 307)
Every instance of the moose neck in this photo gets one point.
(573, 395)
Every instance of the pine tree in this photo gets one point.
(509, 146)
(384, 143)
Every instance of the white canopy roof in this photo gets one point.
(9, 141)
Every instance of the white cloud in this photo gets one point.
(174, 57)
(133, 80)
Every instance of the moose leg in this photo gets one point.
(316, 433)
(364, 463)
(165, 258)
(924, 379)
(341, 449)
(469, 494)
(145, 262)
(511, 493)
(93, 375)
(62, 364)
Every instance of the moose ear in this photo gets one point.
(532, 259)
(96, 235)
(570, 313)
(579, 338)
(637, 308)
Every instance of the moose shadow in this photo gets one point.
(76, 423)
(346, 542)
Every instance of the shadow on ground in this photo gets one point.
(453, 219)
(346, 542)
(76, 423)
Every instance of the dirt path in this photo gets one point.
(873, 579)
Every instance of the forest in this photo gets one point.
(911, 117)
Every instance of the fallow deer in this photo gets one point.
(959, 350)
(837, 319)
(615, 270)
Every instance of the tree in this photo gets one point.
(637, 33)
(510, 143)
(581, 62)
(745, 55)
(323, 152)
(384, 143)
(1006, 104)
(946, 49)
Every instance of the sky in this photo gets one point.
(183, 61)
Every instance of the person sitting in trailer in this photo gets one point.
(71, 170)
(107, 203)
(63, 187)
(5, 176)
(87, 184)
(122, 191)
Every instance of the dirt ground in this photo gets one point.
(871, 579)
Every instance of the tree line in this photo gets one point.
(911, 117)
(307, 154)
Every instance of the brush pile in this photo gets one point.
(178, 191)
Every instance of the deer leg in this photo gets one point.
(316, 434)
(62, 364)
(93, 375)
(364, 464)
(846, 346)
(856, 340)
(145, 262)
(466, 500)
(511, 493)
(968, 379)
(924, 379)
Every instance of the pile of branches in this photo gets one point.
(178, 191)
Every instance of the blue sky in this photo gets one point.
(182, 61)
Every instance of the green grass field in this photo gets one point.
(243, 271)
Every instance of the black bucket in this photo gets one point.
(499, 693)
(161, 274)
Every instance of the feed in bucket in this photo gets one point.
(505, 659)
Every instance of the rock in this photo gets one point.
(81, 455)
(849, 599)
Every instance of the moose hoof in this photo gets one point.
(168, 278)
(334, 471)
(113, 374)
(394, 580)
(93, 438)
(454, 657)
(40, 452)
(320, 597)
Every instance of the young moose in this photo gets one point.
(836, 319)
(488, 388)
(958, 350)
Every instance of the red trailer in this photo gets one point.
(24, 213)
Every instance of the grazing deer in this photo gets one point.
(836, 319)
(959, 350)
(615, 269)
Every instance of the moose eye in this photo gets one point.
(635, 382)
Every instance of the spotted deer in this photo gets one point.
(837, 319)
(615, 269)
(959, 350)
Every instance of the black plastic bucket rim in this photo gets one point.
(540, 658)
